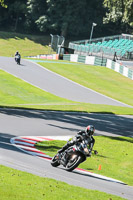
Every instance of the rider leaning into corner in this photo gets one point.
(86, 135)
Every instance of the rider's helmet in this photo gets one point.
(17, 52)
(90, 130)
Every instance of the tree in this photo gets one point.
(17, 9)
(71, 17)
(120, 13)
(13, 16)
(35, 9)
(2, 4)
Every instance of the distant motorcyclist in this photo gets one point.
(86, 135)
(17, 57)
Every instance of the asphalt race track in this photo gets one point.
(20, 122)
(54, 83)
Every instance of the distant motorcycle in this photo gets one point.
(72, 157)
(17, 59)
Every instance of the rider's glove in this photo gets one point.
(95, 152)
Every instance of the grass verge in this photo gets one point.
(17, 185)
(100, 79)
(115, 154)
(27, 45)
(16, 93)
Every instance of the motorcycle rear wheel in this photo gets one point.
(54, 161)
(72, 165)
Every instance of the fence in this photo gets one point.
(99, 47)
(56, 41)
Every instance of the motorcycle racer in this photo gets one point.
(17, 57)
(86, 135)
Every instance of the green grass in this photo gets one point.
(27, 45)
(16, 93)
(100, 79)
(17, 185)
(115, 156)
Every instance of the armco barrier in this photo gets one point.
(130, 73)
(90, 60)
(67, 57)
(81, 59)
(100, 61)
(93, 60)
(74, 58)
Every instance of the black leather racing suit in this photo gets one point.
(81, 135)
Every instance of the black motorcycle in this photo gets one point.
(72, 157)
(17, 59)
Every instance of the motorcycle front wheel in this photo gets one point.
(55, 162)
(73, 163)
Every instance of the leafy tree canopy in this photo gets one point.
(2, 4)
(67, 17)
(119, 12)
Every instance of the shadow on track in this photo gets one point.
(110, 123)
